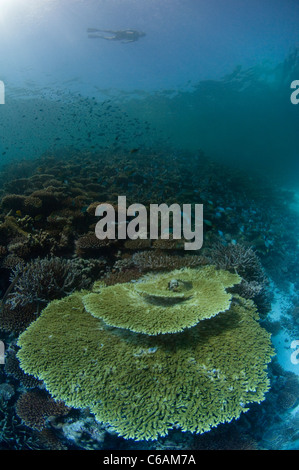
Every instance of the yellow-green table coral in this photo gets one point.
(143, 385)
(164, 303)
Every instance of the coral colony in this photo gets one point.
(174, 349)
(137, 228)
(134, 337)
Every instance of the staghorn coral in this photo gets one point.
(144, 385)
(45, 279)
(163, 303)
(244, 261)
(239, 259)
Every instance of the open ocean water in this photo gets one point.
(124, 344)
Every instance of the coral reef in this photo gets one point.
(47, 211)
(144, 385)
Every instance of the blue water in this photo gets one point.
(46, 55)
(210, 76)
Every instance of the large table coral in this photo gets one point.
(140, 384)
(165, 302)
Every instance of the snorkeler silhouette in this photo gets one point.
(123, 35)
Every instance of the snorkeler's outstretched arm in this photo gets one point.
(96, 30)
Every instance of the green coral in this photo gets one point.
(164, 303)
(143, 385)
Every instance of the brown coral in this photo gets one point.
(90, 246)
(238, 258)
(245, 262)
(32, 205)
(3, 251)
(155, 261)
(36, 406)
(138, 244)
(120, 277)
(16, 319)
(13, 201)
(168, 244)
(45, 279)
(40, 243)
(12, 367)
(51, 200)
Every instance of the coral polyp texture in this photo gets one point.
(141, 384)
(164, 303)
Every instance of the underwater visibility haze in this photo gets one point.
(137, 343)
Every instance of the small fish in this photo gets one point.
(134, 150)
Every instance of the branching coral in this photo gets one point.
(240, 259)
(34, 407)
(244, 261)
(144, 385)
(45, 279)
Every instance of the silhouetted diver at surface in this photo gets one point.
(123, 35)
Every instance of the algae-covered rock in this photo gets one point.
(143, 385)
